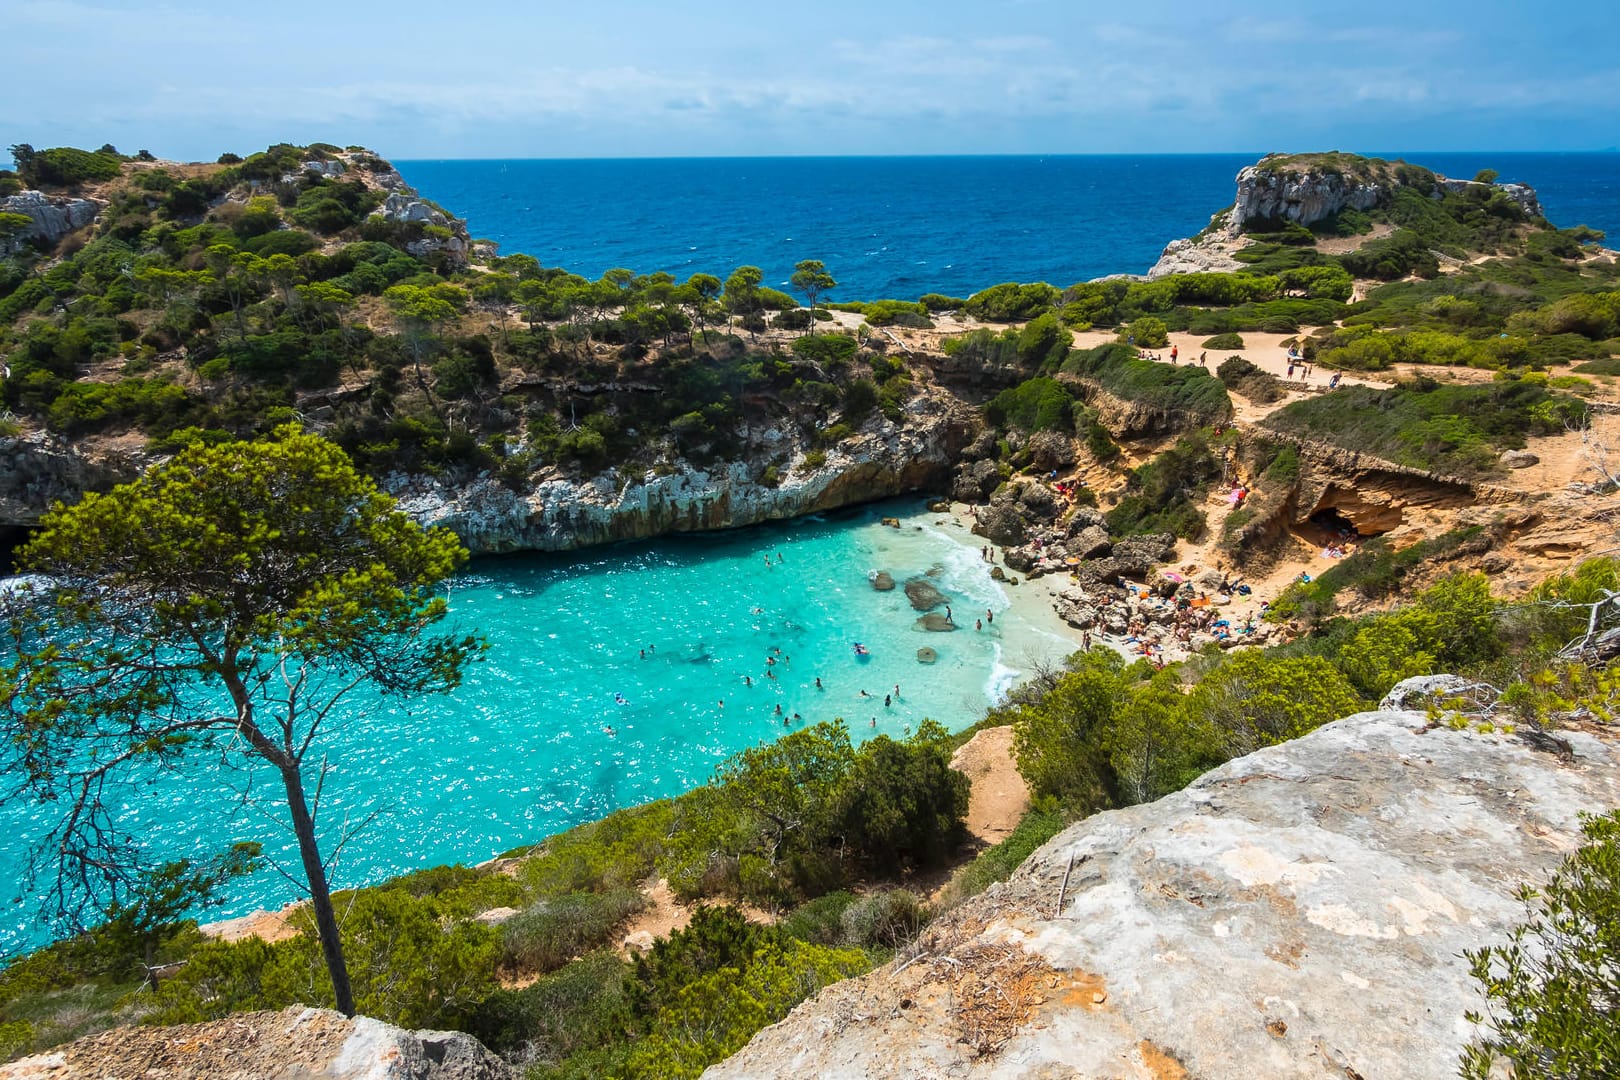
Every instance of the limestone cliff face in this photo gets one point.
(1300, 912)
(884, 460)
(294, 1043)
(53, 216)
(39, 470)
(1304, 190)
(1302, 196)
(563, 515)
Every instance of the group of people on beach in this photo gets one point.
(1175, 357)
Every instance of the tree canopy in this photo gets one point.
(226, 604)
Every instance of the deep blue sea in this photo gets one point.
(900, 227)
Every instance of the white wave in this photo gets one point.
(966, 574)
(23, 581)
(1001, 678)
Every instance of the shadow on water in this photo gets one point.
(12, 537)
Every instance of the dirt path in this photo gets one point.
(1000, 797)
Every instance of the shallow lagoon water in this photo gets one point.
(521, 749)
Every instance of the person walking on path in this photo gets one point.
(1175, 351)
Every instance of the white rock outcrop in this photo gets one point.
(295, 1044)
(53, 216)
(1299, 912)
(563, 515)
(1302, 196)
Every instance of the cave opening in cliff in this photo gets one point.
(1336, 525)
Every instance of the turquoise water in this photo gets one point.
(521, 749)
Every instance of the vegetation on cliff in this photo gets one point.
(212, 302)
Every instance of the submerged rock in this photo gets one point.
(937, 623)
(923, 595)
(925, 655)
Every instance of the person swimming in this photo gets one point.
(620, 699)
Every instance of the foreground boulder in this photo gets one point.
(294, 1044)
(1300, 912)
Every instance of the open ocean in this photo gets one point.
(898, 227)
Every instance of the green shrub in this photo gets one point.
(1224, 341)
(883, 920)
(1147, 332)
(901, 805)
(998, 862)
(1039, 404)
(1254, 700)
(1159, 495)
(576, 1009)
(1551, 989)
(558, 928)
(616, 852)
(1011, 302)
(1189, 390)
(64, 166)
(1446, 428)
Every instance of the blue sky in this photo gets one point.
(629, 79)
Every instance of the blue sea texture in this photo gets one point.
(897, 228)
(613, 677)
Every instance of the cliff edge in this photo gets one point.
(1300, 912)
(293, 1044)
(1305, 190)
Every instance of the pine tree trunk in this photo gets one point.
(320, 896)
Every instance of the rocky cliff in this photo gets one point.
(565, 514)
(554, 513)
(1300, 912)
(1303, 189)
(39, 469)
(51, 216)
(294, 1044)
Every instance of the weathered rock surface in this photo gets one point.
(923, 595)
(1519, 459)
(294, 1044)
(1305, 196)
(882, 581)
(38, 470)
(1089, 543)
(564, 515)
(1300, 912)
(1203, 256)
(1302, 192)
(53, 216)
(935, 622)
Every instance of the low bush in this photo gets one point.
(559, 928)
(1224, 341)
(1446, 428)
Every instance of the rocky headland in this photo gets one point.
(1305, 190)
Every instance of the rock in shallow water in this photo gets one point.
(923, 595)
(939, 624)
(925, 655)
(882, 581)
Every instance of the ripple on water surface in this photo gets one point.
(673, 629)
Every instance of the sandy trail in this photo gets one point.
(1000, 797)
